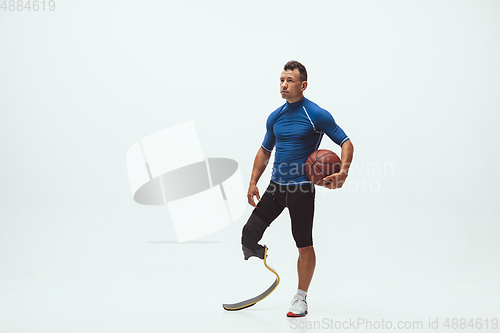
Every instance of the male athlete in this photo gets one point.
(295, 129)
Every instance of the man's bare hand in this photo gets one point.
(253, 191)
(335, 181)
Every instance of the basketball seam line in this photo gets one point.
(322, 170)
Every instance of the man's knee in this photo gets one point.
(306, 251)
(253, 231)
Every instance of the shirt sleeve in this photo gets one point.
(327, 125)
(269, 138)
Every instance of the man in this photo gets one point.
(295, 129)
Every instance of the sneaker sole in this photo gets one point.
(291, 314)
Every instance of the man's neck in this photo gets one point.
(295, 100)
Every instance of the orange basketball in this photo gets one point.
(320, 164)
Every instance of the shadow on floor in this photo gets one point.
(174, 242)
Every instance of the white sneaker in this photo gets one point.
(298, 308)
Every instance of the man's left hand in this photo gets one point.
(335, 181)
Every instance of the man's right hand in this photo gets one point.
(253, 191)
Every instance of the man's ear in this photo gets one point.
(304, 85)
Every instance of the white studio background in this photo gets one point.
(413, 234)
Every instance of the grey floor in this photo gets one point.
(114, 275)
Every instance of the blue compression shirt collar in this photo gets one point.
(297, 104)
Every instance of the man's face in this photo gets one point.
(291, 88)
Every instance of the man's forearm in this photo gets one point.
(346, 156)
(259, 165)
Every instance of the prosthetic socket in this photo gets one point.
(251, 235)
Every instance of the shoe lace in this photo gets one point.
(297, 300)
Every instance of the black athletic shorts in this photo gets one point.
(299, 199)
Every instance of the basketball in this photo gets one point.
(320, 164)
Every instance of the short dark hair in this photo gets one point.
(291, 65)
